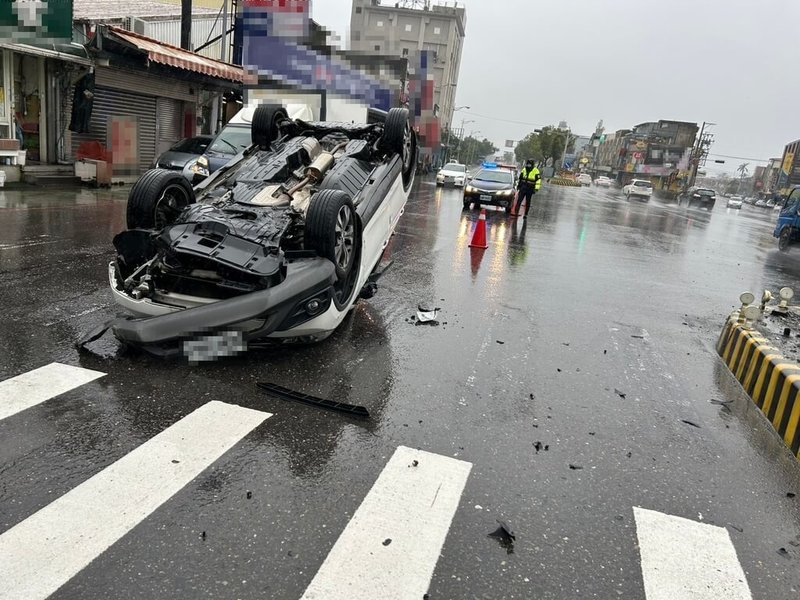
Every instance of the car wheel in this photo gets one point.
(508, 208)
(399, 138)
(476, 205)
(332, 230)
(785, 239)
(157, 198)
(466, 204)
(266, 126)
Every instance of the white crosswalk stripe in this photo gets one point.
(34, 387)
(686, 559)
(43, 552)
(390, 547)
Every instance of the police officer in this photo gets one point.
(529, 183)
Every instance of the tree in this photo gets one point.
(529, 148)
(474, 149)
(742, 169)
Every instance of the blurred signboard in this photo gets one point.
(39, 21)
(788, 161)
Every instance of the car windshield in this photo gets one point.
(642, 184)
(231, 140)
(706, 192)
(494, 176)
(191, 146)
(455, 167)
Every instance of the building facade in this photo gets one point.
(431, 36)
(660, 151)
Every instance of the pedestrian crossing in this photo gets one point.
(389, 549)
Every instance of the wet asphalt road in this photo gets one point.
(540, 336)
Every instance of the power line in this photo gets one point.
(504, 120)
(740, 157)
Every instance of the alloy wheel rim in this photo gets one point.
(345, 237)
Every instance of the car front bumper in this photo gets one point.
(170, 320)
(494, 198)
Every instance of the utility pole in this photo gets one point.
(186, 24)
(699, 153)
(449, 128)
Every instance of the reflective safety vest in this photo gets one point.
(531, 177)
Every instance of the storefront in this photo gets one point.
(145, 97)
(35, 81)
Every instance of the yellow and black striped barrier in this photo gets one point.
(771, 380)
(563, 181)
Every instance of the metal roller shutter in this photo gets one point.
(169, 123)
(160, 87)
(116, 103)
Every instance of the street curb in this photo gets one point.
(771, 380)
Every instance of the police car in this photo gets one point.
(491, 184)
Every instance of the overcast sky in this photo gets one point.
(731, 62)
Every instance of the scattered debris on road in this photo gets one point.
(500, 342)
(620, 394)
(638, 337)
(790, 494)
(505, 536)
(723, 403)
(292, 396)
(575, 467)
(783, 551)
(692, 423)
(540, 446)
(387, 541)
(414, 463)
(739, 529)
(426, 314)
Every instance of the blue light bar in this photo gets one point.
(489, 165)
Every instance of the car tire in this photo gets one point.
(266, 126)
(466, 204)
(785, 239)
(157, 198)
(332, 230)
(399, 138)
(476, 205)
(508, 208)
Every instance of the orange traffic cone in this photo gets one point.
(479, 236)
(514, 212)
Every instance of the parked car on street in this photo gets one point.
(699, 197)
(493, 185)
(585, 179)
(638, 188)
(234, 139)
(183, 155)
(452, 174)
(761, 203)
(603, 181)
(278, 244)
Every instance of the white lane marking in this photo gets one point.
(44, 551)
(37, 386)
(685, 559)
(411, 506)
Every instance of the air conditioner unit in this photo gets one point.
(135, 25)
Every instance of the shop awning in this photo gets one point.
(176, 57)
(73, 52)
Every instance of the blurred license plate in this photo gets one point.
(211, 347)
(486, 197)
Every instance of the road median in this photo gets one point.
(770, 379)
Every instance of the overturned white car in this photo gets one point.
(279, 244)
